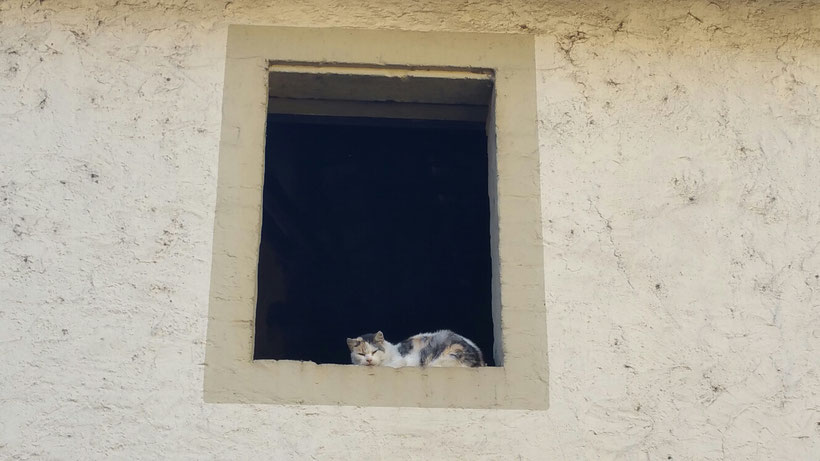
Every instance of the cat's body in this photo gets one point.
(440, 349)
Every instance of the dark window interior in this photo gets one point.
(372, 224)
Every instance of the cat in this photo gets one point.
(440, 349)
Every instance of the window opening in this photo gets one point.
(376, 210)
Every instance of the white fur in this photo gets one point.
(393, 359)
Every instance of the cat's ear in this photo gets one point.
(378, 338)
(351, 343)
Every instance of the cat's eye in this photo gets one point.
(361, 354)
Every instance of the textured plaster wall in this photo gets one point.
(680, 144)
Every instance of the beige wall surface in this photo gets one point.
(680, 151)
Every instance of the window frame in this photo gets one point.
(519, 305)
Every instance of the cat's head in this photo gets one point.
(367, 349)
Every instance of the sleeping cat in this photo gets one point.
(440, 349)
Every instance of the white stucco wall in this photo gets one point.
(681, 167)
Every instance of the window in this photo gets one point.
(376, 183)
